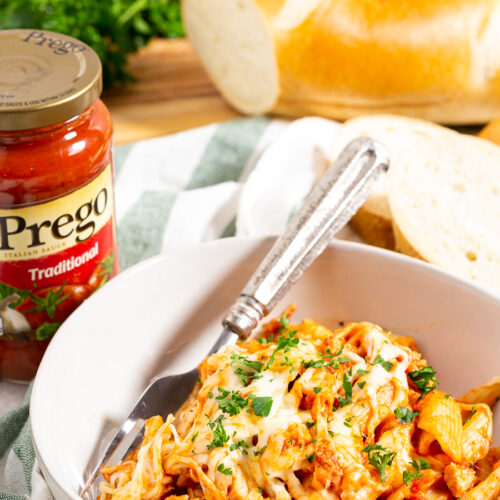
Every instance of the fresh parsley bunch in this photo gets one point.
(113, 28)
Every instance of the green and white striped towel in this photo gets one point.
(242, 177)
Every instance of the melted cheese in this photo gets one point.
(283, 411)
(326, 406)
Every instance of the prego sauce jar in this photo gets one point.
(57, 229)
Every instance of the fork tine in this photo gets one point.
(135, 443)
(124, 430)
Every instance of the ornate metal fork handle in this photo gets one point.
(331, 204)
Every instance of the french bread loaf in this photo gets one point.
(433, 59)
(444, 198)
(373, 221)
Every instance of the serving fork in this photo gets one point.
(337, 196)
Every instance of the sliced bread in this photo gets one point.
(445, 202)
(373, 222)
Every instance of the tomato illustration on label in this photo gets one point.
(39, 312)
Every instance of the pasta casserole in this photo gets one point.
(305, 413)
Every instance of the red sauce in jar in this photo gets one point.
(57, 233)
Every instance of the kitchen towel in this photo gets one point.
(244, 177)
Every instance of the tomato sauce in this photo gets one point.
(57, 228)
(42, 164)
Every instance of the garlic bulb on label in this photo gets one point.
(12, 322)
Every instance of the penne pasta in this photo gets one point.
(304, 413)
(487, 393)
(489, 489)
(459, 478)
(440, 416)
(477, 432)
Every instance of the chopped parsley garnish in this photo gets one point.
(380, 458)
(347, 386)
(424, 379)
(328, 354)
(338, 353)
(225, 470)
(262, 406)
(310, 458)
(410, 475)
(258, 452)
(361, 372)
(313, 363)
(264, 340)
(284, 322)
(317, 390)
(347, 425)
(240, 445)
(404, 415)
(220, 437)
(387, 365)
(419, 464)
(259, 490)
(287, 362)
(193, 437)
(362, 384)
(310, 424)
(343, 360)
(330, 433)
(242, 360)
(335, 360)
(230, 402)
(472, 412)
(285, 343)
(244, 365)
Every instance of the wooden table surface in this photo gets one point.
(173, 93)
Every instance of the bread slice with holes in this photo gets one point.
(444, 198)
(373, 221)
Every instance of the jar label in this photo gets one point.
(53, 255)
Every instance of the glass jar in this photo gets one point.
(57, 229)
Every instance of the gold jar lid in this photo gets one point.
(45, 78)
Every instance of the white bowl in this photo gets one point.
(103, 356)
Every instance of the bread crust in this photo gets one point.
(373, 222)
(460, 110)
(411, 57)
(374, 229)
(402, 245)
(433, 59)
